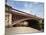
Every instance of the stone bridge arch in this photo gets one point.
(25, 19)
(32, 22)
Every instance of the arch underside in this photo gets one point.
(25, 19)
(19, 19)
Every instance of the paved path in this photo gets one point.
(14, 30)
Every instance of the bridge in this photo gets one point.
(16, 17)
(17, 21)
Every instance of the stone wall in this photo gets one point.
(8, 19)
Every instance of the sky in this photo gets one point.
(34, 8)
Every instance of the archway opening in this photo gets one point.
(29, 23)
(34, 24)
